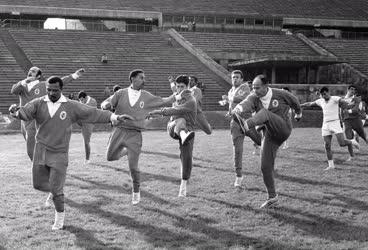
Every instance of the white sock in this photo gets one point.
(331, 163)
(183, 183)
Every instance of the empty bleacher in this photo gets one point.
(62, 52)
(354, 51)
(252, 42)
(10, 73)
(326, 9)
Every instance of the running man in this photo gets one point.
(331, 124)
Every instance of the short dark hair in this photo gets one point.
(182, 79)
(351, 86)
(323, 90)
(54, 80)
(286, 88)
(82, 94)
(116, 88)
(239, 72)
(134, 73)
(262, 78)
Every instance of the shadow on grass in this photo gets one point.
(314, 182)
(176, 156)
(192, 232)
(158, 236)
(144, 175)
(220, 237)
(316, 225)
(86, 239)
(125, 189)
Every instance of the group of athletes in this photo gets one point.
(256, 110)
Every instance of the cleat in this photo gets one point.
(49, 202)
(271, 202)
(59, 221)
(183, 189)
(238, 181)
(186, 137)
(136, 198)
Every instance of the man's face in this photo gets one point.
(236, 79)
(192, 82)
(53, 91)
(138, 81)
(325, 95)
(259, 88)
(351, 91)
(33, 72)
(83, 100)
(181, 86)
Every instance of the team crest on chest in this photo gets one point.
(141, 104)
(275, 103)
(241, 92)
(37, 91)
(62, 115)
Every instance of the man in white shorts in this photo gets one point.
(331, 123)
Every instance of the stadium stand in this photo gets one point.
(355, 51)
(10, 73)
(62, 52)
(261, 43)
(331, 9)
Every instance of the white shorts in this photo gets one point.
(331, 127)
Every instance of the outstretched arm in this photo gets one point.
(20, 86)
(308, 104)
(69, 78)
(25, 113)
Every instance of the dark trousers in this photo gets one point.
(186, 158)
(277, 130)
(354, 124)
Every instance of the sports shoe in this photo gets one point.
(355, 144)
(238, 181)
(183, 189)
(49, 202)
(271, 202)
(59, 221)
(136, 198)
(87, 162)
(349, 159)
(329, 167)
(186, 136)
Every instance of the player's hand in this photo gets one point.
(13, 109)
(125, 117)
(222, 102)
(297, 117)
(225, 98)
(106, 106)
(237, 110)
(171, 79)
(80, 72)
(153, 114)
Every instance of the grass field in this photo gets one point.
(318, 209)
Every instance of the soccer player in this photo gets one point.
(272, 110)
(352, 116)
(28, 89)
(87, 128)
(181, 127)
(201, 119)
(54, 115)
(239, 91)
(136, 102)
(331, 124)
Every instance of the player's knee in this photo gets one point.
(41, 187)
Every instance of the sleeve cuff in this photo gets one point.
(172, 85)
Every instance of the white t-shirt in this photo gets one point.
(330, 108)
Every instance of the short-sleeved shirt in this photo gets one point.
(330, 108)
